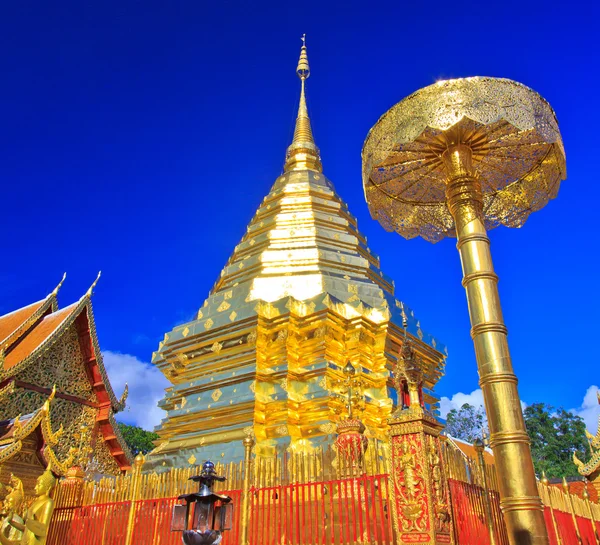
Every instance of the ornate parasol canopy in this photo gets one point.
(517, 153)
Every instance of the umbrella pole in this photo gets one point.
(519, 498)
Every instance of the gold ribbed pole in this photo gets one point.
(520, 501)
(248, 444)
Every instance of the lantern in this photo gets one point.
(204, 515)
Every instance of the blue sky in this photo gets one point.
(138, 138)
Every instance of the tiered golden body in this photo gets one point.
(301, 295)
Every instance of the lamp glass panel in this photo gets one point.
(226, 516)
(178, 518)
(203, 516)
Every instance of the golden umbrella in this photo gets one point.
(455, 159)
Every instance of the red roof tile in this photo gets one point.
(36, 337)
(10, 322)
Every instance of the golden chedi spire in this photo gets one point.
(303, 153)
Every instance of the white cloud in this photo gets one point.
(146, 388)
(589, 409)
(475, 398)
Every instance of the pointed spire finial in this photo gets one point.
(55, 290)
(303, 153)
(91, 289)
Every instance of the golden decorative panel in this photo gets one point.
(403, 176)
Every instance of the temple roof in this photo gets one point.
(13, 432)
(29, 333)
(14, 324)
(38, 327)
(36, 338)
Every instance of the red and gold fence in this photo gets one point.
(305, 499)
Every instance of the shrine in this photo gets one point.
(57, 406)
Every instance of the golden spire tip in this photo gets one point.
(303, 153)
(91, 289)
(55, 290)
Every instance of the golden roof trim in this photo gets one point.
(84, 303)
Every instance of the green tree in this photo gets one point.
(555, 435)
(467, 423)
(138, 440)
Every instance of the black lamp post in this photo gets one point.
(200, 519)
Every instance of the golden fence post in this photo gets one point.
(565, 485)
(136, 475)
(479, 448)
(248, 444)
(545, 495)
(586, 497)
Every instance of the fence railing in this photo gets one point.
(315, 498)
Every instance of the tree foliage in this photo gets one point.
(467, 423)
(138, 440)
(555, 435)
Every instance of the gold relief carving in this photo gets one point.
(229, 294)
(323, 383)
(438, 483)
(186, 331)
(216, 395)
(328, 428)
(183, 402)
(410, 501)
(252, 242)
(251, 338)
(216, 347)
(208, 324)
(320, 332)
(284, 384)
(281, 430)
(61, 366)
(102, 461)
(223, 306)
(233, 316)
(252, 386)
(353, 288)
(182, 358)
(241, 265)
(192, 460)
(282, 335)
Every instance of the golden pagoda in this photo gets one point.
(300, 297)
